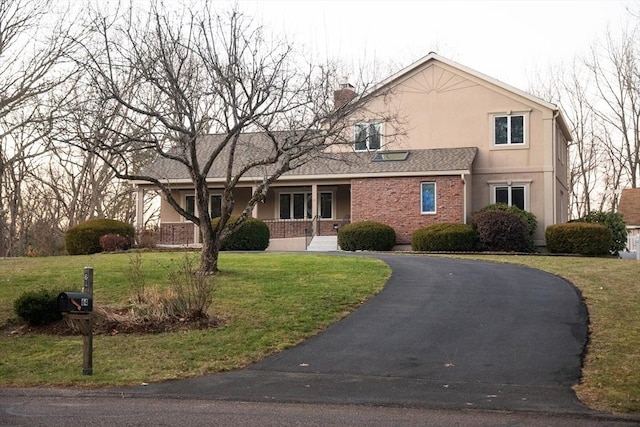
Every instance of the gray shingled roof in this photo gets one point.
(343, 164)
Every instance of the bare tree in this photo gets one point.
(176, 78)
(616, 72)
(32, 56)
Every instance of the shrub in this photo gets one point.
(444, 237)
(614, 222)
(578, 238)
(38, 307)
(114, 242)
(252, 235)
(500, 230)
(366, 236)
(85, 238)
(147, 238)
(529, 218)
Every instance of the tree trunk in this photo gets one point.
(210, 249)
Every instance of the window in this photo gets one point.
(512, 195)
(295, 205)
(190, 204)
(428, 197)
(326, 205)
(215, 206)
(298, 205)
(509, 130)
(368, 136)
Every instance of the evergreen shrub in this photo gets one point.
(366, 236)
(578, 238)
(252, 235)
(39, 307)
(84, 238)
(452, 237)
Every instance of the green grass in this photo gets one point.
(269, 301)
(611, 289)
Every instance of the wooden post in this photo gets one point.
(87, 336)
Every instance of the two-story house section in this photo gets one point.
(465, 140)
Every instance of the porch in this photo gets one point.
(284, 234)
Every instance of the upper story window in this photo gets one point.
(368, 136)
(509, 130)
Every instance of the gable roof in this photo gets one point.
(629, 206)
(333, 165)
(434, 57)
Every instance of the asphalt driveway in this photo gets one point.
(444, 333)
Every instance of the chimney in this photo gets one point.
(343, 96)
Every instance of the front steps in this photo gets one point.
(323, 244)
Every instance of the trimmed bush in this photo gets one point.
(252, 235)
(444, 237)
(366, 236)
(529, 218)
(38, 308)
(500, 230)
(614, 222)
(114, 242)
(578, 238)
(84, 238)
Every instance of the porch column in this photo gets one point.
(254, 211)
(139, 208)
(314, 208)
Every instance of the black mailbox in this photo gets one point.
(75, 302)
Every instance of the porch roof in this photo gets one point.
(328, 165)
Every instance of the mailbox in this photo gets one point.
(75, 302)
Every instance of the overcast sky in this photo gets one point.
(508, 40)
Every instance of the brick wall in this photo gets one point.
(396, 202)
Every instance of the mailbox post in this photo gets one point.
(79, 307)
(87, 339)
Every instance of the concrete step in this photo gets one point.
(323, 244)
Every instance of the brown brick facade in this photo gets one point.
(396, 202)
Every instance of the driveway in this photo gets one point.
(444, 333)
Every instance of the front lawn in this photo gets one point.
(268, 302)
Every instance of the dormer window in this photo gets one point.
(509, 130)
(368, 136)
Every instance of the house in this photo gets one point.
(468, 141)
(629, 208)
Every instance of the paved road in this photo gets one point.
(444, 335)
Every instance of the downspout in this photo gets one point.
(464, 199)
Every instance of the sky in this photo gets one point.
(512, 41)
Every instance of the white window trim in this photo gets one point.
(527, 191)
(525, 133)
(309, 192)
(435, 198)
(355, 136)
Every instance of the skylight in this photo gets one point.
(391, 156)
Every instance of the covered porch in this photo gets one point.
(295, 214)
